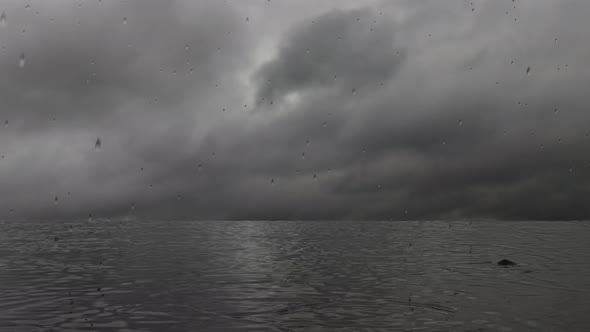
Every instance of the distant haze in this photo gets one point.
(256, 109)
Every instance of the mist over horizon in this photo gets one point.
(285, 110)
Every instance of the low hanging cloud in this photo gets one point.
(212, 110)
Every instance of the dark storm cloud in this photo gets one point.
(346, 48)
(381, 110)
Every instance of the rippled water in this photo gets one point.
(294, 276)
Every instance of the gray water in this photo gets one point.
(294, 276)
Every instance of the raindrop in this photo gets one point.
(247, 19)
(528, 70)
(56, 200)
(472, 9)
(125, 20)
(444, 142)
(512, 62)
(6, 124)
(302, 155)
(353, 92)
(3, 19)
(555, 111)
(571, 169)
(27, 6)
(272, 181)
(186, 47)
(21, 60)
(324, 124)
(460, 123)
(315, 176)
(89, 217)
(98, 143)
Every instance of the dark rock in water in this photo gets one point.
(506, 262)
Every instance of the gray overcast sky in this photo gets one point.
(256, 109)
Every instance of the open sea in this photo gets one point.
(294, 276)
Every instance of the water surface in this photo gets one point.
(294, 276)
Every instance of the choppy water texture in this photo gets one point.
(294, 276)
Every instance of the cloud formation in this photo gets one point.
(266, 110)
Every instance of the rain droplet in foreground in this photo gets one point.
(528, 70)
(125, 20)
(3, 19)
(98, 143)
(21, 60)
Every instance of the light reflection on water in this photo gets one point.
(294, 276)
